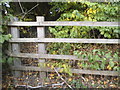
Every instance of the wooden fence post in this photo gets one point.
(41, 46)
(16, 49)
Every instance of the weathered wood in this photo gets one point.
(66, 40)
(78, 71)
(41, 46)
(49, 56)
(23, 24)
(79, 23)
(64, 23)
(16, 49)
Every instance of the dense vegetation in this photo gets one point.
(69, 11)
(6, 16)
(86, 11)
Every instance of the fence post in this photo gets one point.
(41, 46)
(16, 49)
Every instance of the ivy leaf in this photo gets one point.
(106, 34)
(84, 56)
(10, 59)
(102, 32)
(1, 39)
(116, 56)
(102, 65)
(7, 37)
(96, 50)
(97, 66)
(116, 68)
(111, 63)
(108, 55)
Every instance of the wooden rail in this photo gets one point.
(66, 40)
(64, 23)
(41, 55)
(49, 56)
(81, 71)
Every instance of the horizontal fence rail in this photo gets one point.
(64, 23)
(81, 71)
(41, 40)
(49, 56)
(66, 40)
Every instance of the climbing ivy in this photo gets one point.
(6, 16)
(98, 59)
(84, 11)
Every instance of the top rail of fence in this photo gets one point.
(64, 23)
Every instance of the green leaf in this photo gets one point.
(102, 32)
(10, 60)
(117, 31)
(7, 37)
(115, 56)
(108, 55)
(2, 60)
(1, 39)
(111, 63)
(76, 52)
(95, 50)
(97, 66)
(84, 56)
(106, 34)
(116, 68)
(102, 66)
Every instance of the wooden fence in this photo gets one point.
(41, 40)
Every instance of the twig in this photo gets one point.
(29, 10)
(63, 79)
(58, 84)
(28, 86)
(83, 78)
(21, 6)
(35, 87)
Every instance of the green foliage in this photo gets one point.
(101, 55)
(85, 11)
(63, 65)
(4, 35)
(77, 84)
(5, 18)
(8, 60)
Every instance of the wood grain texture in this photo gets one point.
(78, 71)
(63, 23)
(41, 46)
(41, 40)
(16, 49)
(49, 56)
(66, 40)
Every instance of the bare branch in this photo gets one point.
(29, 10)
(63, 79)
(21, 6)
